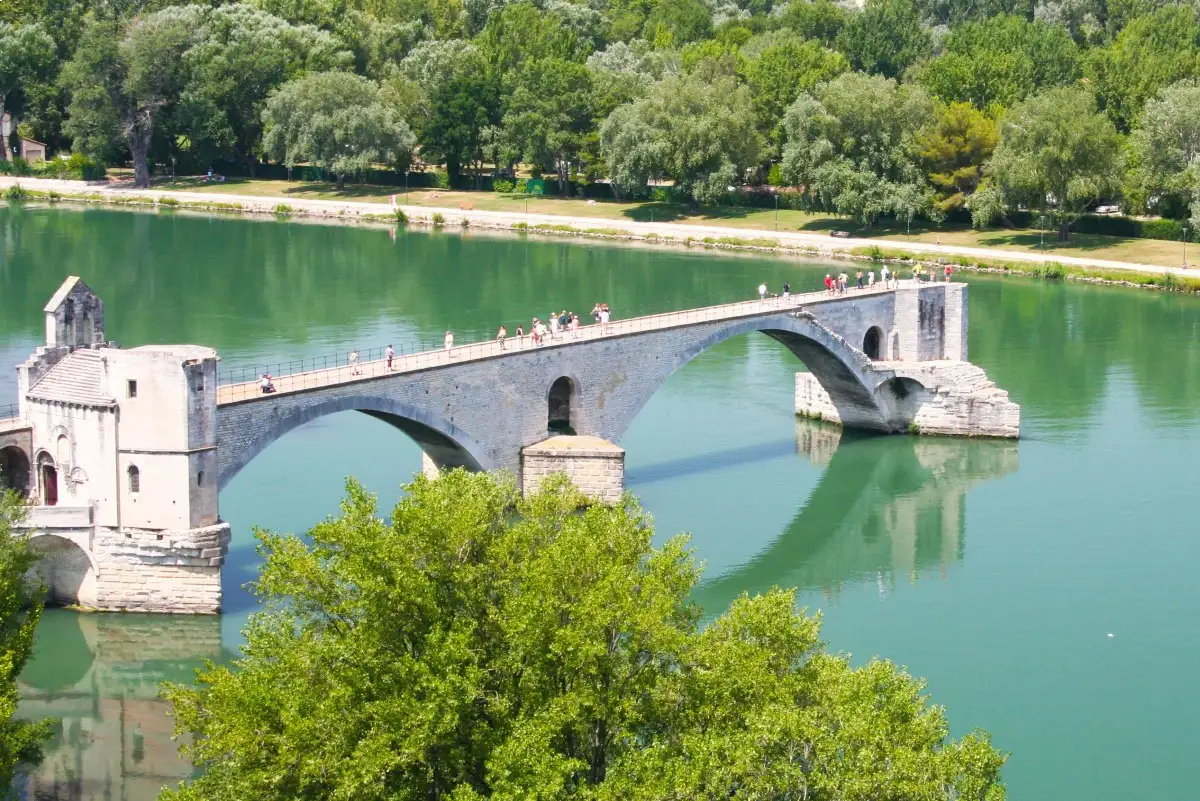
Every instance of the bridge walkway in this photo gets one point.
(300, 381)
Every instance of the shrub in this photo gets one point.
(660, 194)
(16, 192)
(20, 167)
(521, 226)
(440, 180)
(438, 219)
(53, 196)
(283, 209)
(522, 186)
(401, 217)
(502, 186)
(169, 202)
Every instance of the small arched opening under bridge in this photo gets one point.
(562, 398)
(873, 343)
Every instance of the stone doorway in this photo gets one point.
(48, 479)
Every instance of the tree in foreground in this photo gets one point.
(20, 610)
(461, 651)
(338, 121)
(1057, 154)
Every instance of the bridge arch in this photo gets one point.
(444, 442)
(69, 569)
(845, 372)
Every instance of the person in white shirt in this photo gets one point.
(884, 275)
(762, 292)
(870, 279)
(448, 341)
(354, 369)
(389, 353)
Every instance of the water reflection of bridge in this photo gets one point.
(100, 675)
(884, 507)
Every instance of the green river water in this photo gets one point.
(996, 570)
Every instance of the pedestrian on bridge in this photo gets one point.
(859, 280)
(389, 353)
(762, 292)
(870, 279)
(787, 289)
(520, 337)
(948, 271)
(500, 335)
(354, 368)
(885, 276)
(448, 341)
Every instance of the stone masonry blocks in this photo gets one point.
(595, 466)
(481, 413)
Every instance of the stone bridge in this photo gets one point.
(873, 355)
(123, 452)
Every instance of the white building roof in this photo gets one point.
(77, 379)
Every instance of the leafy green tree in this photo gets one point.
(885, 38)
(550, 115)
(459, 651)
(1151, 53)
(696, 131)
(123, 75)
(853, 144)
(241, 56)
(814, 19)
(624, 72)
(20, 610)
(26, 54)
(998, 62)
(1057, 154)
(1165, 147)
(953, 151)
(953, 13)
(780, 73)
(685, 21)
(338, 121)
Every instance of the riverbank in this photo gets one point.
(930, 255)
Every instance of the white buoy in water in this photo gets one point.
(1110, 634)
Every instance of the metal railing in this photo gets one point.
(314, 373)
(10, 411)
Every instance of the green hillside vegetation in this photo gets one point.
(992, 113)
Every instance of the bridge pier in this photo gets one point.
(921, 382)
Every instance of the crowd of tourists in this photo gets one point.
(557, 324)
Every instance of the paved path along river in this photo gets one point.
(507, 220)
(996, 570)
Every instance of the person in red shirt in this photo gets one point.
(828, 283)
(947, 273)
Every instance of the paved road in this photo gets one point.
(506, 220)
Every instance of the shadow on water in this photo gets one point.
(99, 675)
(884, 506)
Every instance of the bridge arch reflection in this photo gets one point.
(884, 506)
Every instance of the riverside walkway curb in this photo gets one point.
(678, 232)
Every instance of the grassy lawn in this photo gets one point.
(1146, 251)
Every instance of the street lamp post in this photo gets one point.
(1042, 226)
(776, 209)
(406, 186)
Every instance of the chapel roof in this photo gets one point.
(77, 379)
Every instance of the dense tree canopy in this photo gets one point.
(26, 54)
(458, 652)
(337, 120)
(1057, 154)
(20, 610)
(853, 144)
(1166, 149)
(697, 131)
(488, 87)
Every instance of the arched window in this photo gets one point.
(135, 479)
(562, 394)
(872, 342)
